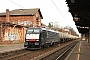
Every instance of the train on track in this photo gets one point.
(38, 38)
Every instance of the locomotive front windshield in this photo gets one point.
(33, 31)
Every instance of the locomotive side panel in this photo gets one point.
(52, 37)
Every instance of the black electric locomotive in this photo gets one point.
(37, 38)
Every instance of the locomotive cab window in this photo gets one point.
(33, 31)
(29, 31)
(36, 30)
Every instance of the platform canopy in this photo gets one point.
(80, 10)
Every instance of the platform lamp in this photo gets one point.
(72, 1)
(75, 18)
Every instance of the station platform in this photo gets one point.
(80, 52)
(11, 47)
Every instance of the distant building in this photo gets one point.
(13, 23)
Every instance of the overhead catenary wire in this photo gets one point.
(16, 3)
(62, 7)
(64, 10)
(58, 10)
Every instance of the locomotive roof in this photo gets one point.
(51, 30)
(44, 29)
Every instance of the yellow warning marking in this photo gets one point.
(78, 57)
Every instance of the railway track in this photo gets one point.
(33, 55)
(64, 54)
(60, 54)
(13, 54)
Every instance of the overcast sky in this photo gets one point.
(52, 10)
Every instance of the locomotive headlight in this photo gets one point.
(37, 40)
(25, 43)
(27, 40)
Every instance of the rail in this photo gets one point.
(60, 54)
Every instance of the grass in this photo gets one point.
(2, 46)
(78, 52)
(18, 42)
